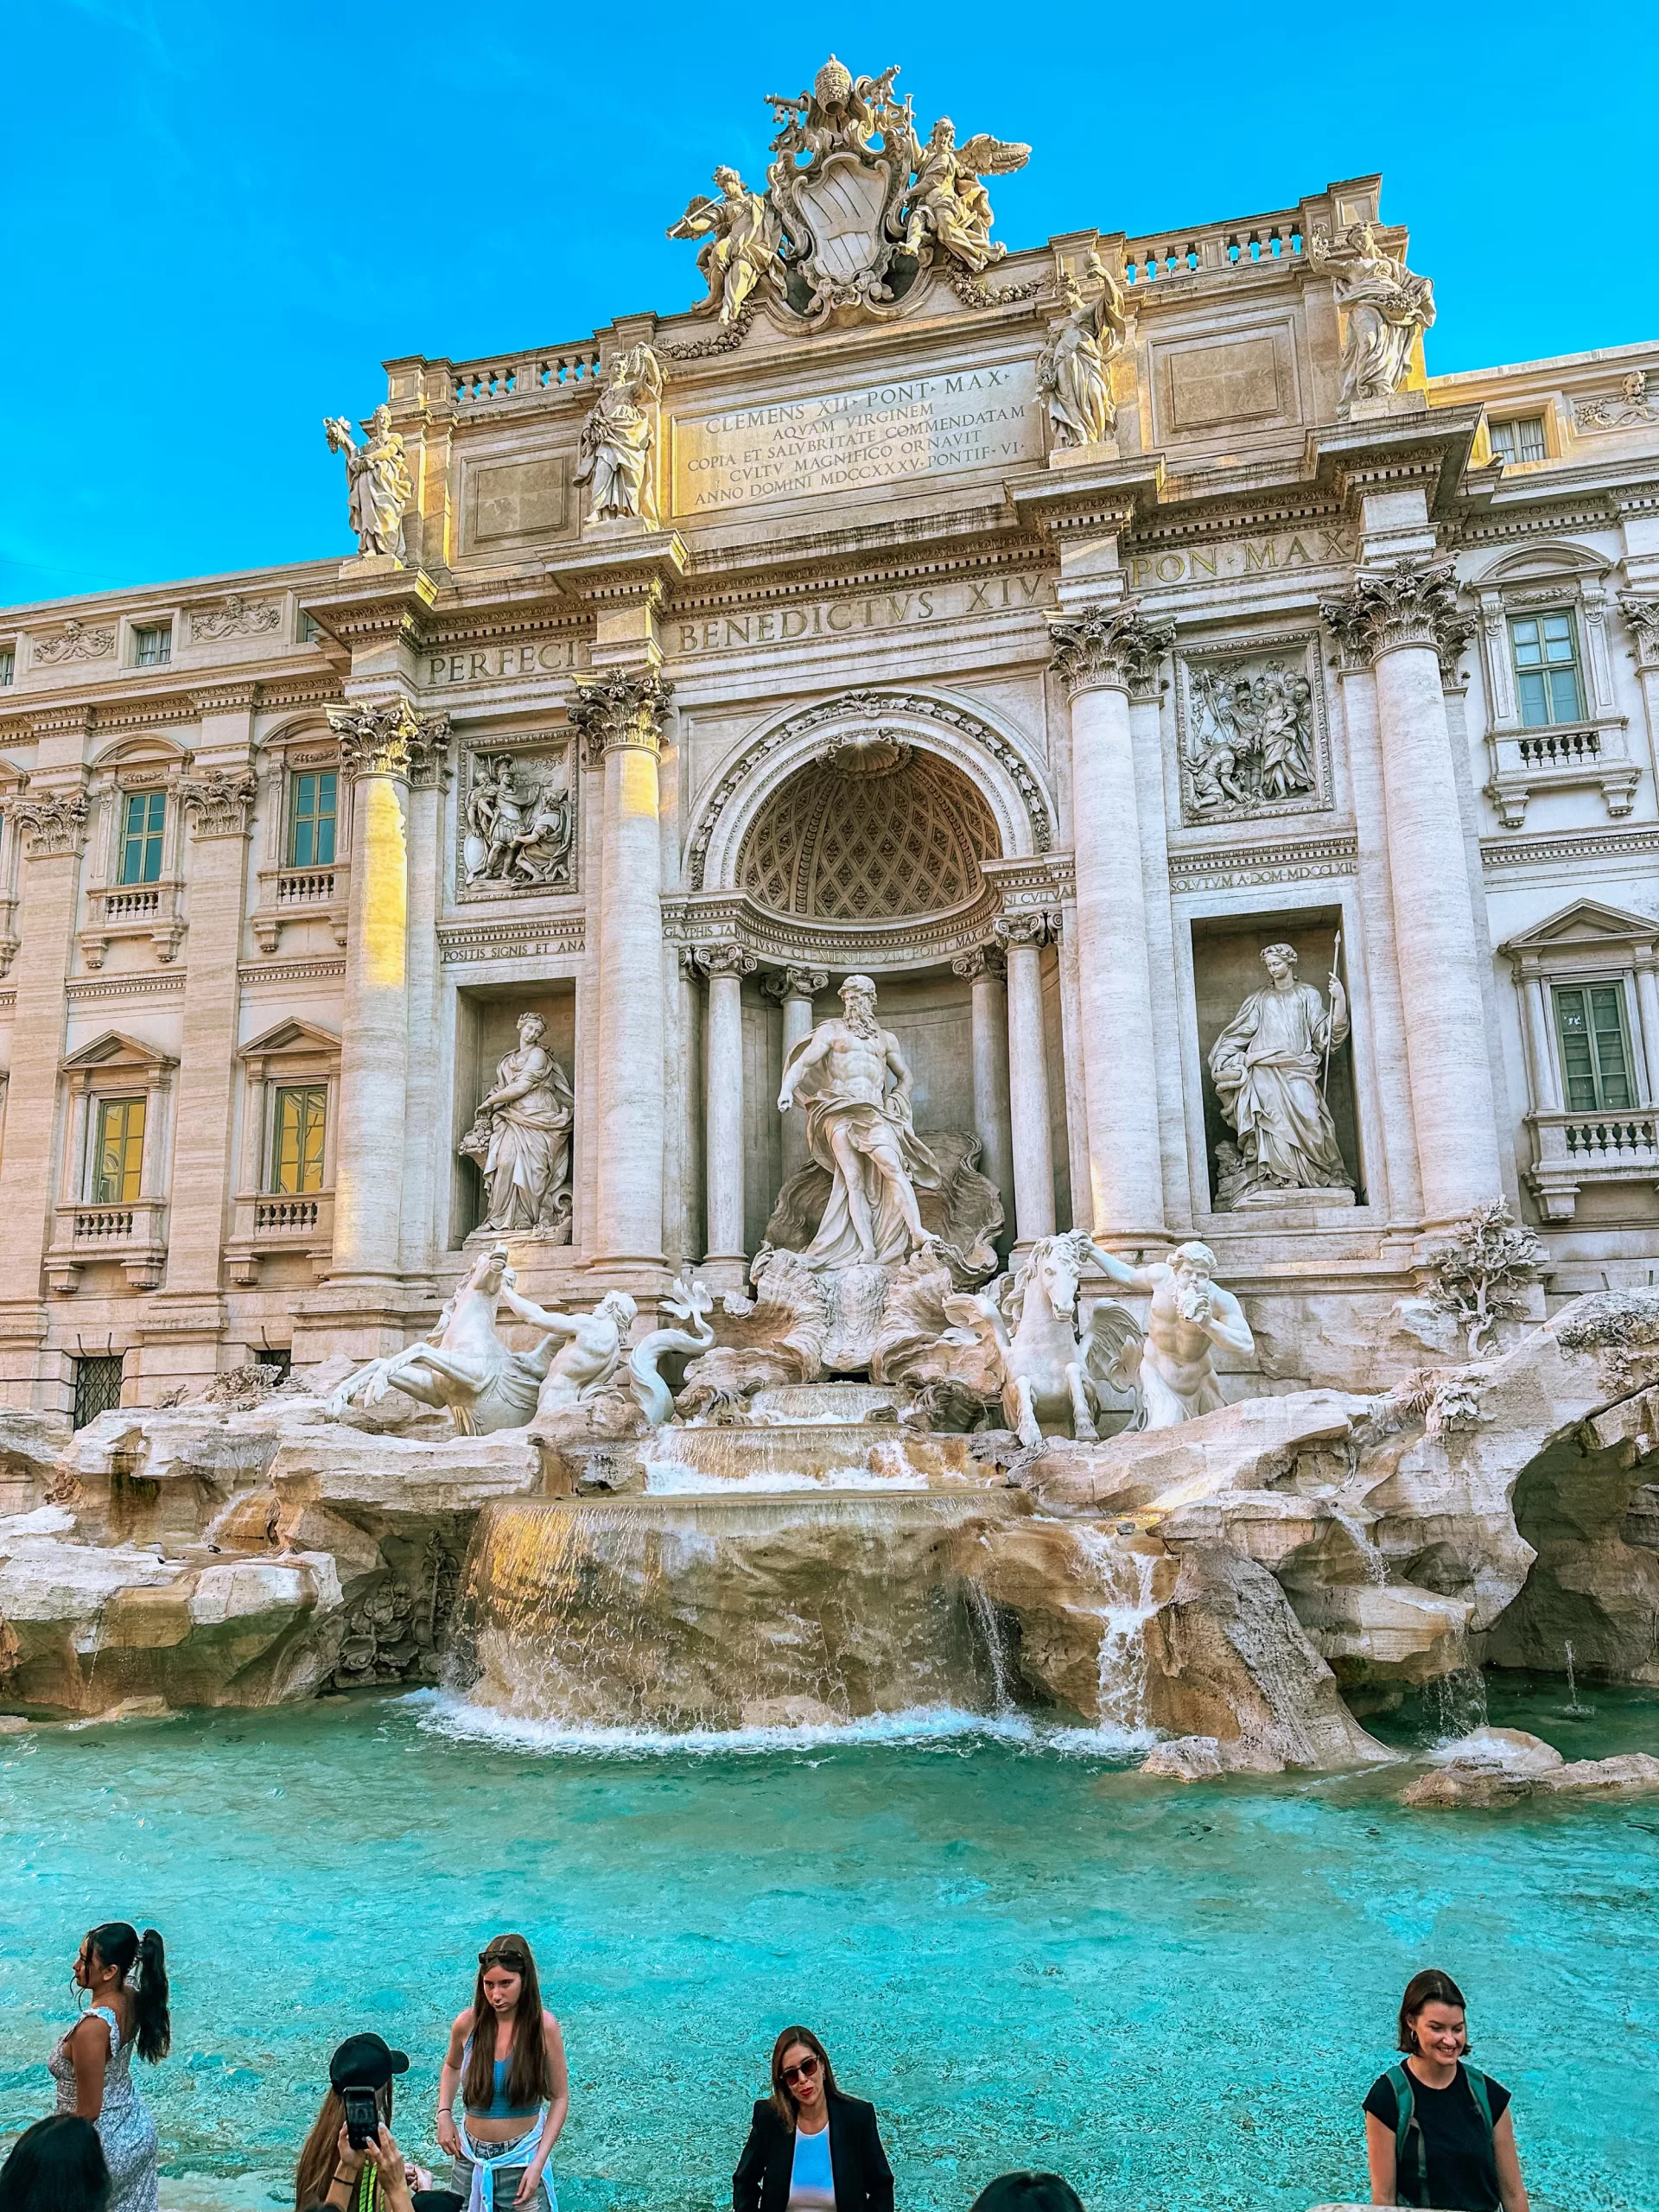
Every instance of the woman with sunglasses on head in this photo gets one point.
(505, 2062)
(1438, 2132)
(810, 2149)
(125, 1975)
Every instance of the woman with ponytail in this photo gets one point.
(124, 1976)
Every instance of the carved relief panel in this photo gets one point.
(515, 828)
(1252, 730)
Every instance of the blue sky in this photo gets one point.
(220, 219)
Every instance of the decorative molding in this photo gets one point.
(1568, 851)
(794, 983)
(73, 642)
(728, 959)
(1411, 602)
(1032, 929)
(52, 823)
(90, 991)
(1642, 615)
(621, 712)
(219, 804)
(984, 960)
(236, 617)
(389, 738)
(1635, 408)
(1107, 647)
(547, 937)
(324, 970)
(1230, 868)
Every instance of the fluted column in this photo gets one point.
(1401, 621)
(986, 968)
(1099, 653)
(620, 715)
(795, 989)
(725, 965)
(1030, 1140)
(381, 745)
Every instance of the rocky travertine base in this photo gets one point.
(1248, 1579)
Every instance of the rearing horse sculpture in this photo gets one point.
(1051, 1379)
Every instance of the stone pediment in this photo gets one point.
(1585, 932)
(293, 1036)
(115, 1049)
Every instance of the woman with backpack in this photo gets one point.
(1438, 2132)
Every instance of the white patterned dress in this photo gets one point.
(124, 2126)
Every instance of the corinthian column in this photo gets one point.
(725, 965)
(986, 968)
(1400, 621)
(382, 744)
(1022, 936)
(620, 715)
(795, 990)
(1099, 653)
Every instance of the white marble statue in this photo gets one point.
(516, 837)
(855, 1082)
(1386, 307)
(616, 439)
(1269, 1064)
(742, 232)
(521, 1137)
(592, 1346)
(380, 489)
(1191, 1314)
(462, 1364)
(1051, 1379)
(1074, 369)
(947, 203)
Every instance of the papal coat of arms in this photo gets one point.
(856, 207)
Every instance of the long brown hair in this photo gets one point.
(1429, 1988)
(321, 2154)
(782, 2102)
(529, 2077)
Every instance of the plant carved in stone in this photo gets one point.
(1479, 1275)
(74, 642)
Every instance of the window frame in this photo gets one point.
(150, 838)
(132, 1143)
(1545, 667)
(162, 634)
(1515, 424)
(1584, 986)
(8, 664)
(315, 1088)
(294, 819)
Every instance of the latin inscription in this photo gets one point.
(493, 663)
(1313, 548)
(882, 433)
(844, 615)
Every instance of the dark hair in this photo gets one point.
(1027, 2192)
(530, 2075)
(1429, 1988)
(120, 1945)
(57, 2165)
(320, 2154)
(782, 2102)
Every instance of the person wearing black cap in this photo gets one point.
(331, 2170)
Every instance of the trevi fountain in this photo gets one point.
(864, 1207)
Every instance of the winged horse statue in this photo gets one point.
(1052, 1380)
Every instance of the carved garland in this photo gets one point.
(874, 705)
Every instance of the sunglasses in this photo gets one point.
(802, 2071)
(514, 1961)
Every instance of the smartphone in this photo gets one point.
(362, 2118)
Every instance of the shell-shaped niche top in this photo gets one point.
(873, 830)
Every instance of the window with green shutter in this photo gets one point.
(1546, 674)
(141, 819)
(1595, 1047)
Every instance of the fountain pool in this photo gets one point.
(1023, 1953)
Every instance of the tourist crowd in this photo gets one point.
(1438, 2132)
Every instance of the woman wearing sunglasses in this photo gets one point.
(809, 2148)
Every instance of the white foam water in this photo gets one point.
(668, 1479)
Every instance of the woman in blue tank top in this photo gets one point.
(505, 2064)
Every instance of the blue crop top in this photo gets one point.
(497, 2107)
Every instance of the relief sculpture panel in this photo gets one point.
(517, 820)
(1251, 731)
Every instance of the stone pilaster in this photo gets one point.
(724, 966)
(795, 989)
(1403, 623)
(1031, 1138)
(1099, 654)
(426, 1090)
(619, 718)
(987, 970)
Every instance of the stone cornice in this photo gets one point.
(620, 711)
(1111, 648)
(389, 738)
(384, 606)
(1411, 602)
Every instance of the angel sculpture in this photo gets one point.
(616, 438)
(947, 202)
(1074, 372)
(742, 233)
(381, 489)
(1051, 1380)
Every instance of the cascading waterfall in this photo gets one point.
(1126, 1577)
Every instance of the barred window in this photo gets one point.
(1546, 673)
(1595, 1047)
(142, 816)
(311, 819)
(98, 1388)
(296, 1137)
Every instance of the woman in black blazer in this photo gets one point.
(809, 2148)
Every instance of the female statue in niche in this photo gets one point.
(521, 1138)
(1268, 1065)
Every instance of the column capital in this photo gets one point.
(52, 823)
(1111, 646)
(1036, 928)
(730, 959)
(387, 737)
(219, 803)
(795, 983)
(1411, 602)
(621, 711)
(1642, 616)
(983, 960)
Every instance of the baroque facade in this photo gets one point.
(1047, 635)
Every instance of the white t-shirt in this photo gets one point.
(811, 2178)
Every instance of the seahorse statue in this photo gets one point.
(694, 1300)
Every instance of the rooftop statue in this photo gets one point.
(616, 439)
(381, 489)
(1074, 370)
(1386, 309)
(856, 207)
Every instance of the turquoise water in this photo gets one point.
(1175, 1997)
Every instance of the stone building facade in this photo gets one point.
(1042, 635)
